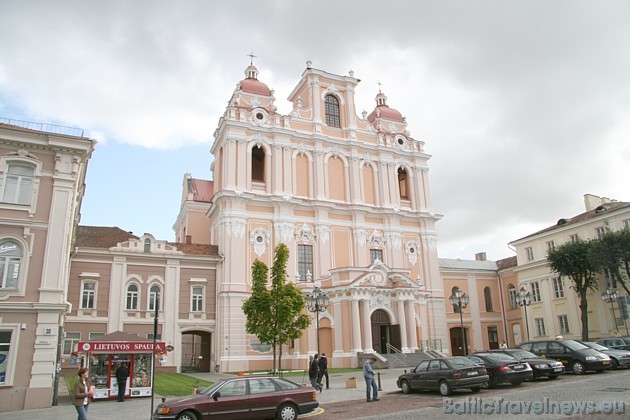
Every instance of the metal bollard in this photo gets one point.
(379, 381)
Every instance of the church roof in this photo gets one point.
(102, 236)
(251, 84)
(202, 190)
(383, 111)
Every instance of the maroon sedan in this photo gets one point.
(242, 398)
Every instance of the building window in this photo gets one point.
(10, 264)
(512, 296)
(132, 298)
(558, 289)
(96, 334)
(19, 183)
(157, 337)
(540, 326)
(551, 245)
(147, 245)
(456, 308)
(376, 254)
(258, 164)
(305, 262)
(332, 111)
(600, 232)
(88, 293)
(563, 321)
(535, 291)
(402, 184)
(70, 342)
(530, 253)
(574, 237)
(609, 279)
(487, 294)
(154, 295)
(7, 365)
(196, 300)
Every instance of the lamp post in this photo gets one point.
(524, 299)
(460, 300)
(317, 301)
(611, 295)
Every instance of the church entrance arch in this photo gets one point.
(196, 351)
(383, 332)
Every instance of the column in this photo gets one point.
(356, 327)
(402, 315)
(413, 336)
(367, 327)
(338, 327)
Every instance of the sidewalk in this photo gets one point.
(141, 408)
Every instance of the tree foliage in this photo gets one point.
(612, 252)
(275, 315)
(576, 261)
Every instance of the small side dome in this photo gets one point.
(562, 222)
(251, 84)
(382, 110)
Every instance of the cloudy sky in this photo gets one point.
(524, 105)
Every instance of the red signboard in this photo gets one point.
(120, 347)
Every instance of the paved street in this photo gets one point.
(341, 403)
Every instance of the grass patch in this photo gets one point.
(166, 384)
(331, 372)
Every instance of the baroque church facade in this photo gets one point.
(349, 195)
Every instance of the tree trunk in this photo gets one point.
(280, 360)
(619, 279)
(273, 369)
(584, 308)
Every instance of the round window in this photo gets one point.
(401, 141)
(412, 250)
(260, 116)
(260, 239)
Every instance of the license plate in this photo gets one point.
(557, 369)
(473, 373)
(519, 367)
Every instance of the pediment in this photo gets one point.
(380, 275)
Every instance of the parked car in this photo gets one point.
(242, 398)
(444, 374)
(542, 368)
(617, 343)
(503, 368)
(618, 358)
(575, 356)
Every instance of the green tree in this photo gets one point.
(275, 316)
(575, 260)
(612, 253)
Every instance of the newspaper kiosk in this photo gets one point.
(105, 354)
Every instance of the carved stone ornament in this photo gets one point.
(234, 226)
(411, 248)
(284, 231)
(304, 234)
(361, 236)
(260, 238)
(323, 233)
(395, 239)
(375, 239)
(380, 301)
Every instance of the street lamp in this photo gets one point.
(460, 300)
(317, 301)
(611, 295)
(524, 299)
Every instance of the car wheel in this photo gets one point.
(614, 364)
(553, 376)
(475, 389)
(445, 388)
(578, 368)
(406, 388)
(287, 412)
(516, 383)
(187, 415)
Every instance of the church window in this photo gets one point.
(305, 262)
(402, 183)
(376, 254)
(332, 111)
(258, 164)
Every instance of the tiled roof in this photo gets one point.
(202, 190)
(505, 263)
(597, 212)
(102, 236)
(196, 249)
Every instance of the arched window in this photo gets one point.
(455, 307)
(154, 296)
(402, 183)
(147, 245)
(132, 298)
(487, 294)
(10, 264)
(332, 111)
(19, 183)
(258, 164)
(512, 296)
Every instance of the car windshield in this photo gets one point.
(210, 389)
(574, 345)
(594, 345)
(458, 362)
(522, 354)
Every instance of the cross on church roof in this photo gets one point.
(251, 56)
(379, 86)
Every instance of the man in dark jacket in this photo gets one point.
(313, 373)
(323, 370)
(122, 373)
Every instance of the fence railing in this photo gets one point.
(44, 127)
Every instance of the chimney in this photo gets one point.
(591, 202)
(480, 256)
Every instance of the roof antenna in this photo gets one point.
(251, 58)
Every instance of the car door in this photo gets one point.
(228, 402)
(264, 398)
(418, 380)
(558, 351)
(432, 376)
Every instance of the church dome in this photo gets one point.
(251, 84)
(383, 111)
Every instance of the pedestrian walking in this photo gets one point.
(122, 373)
(313, 372)
(368, 375)
(323, 371)
(83, 391)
